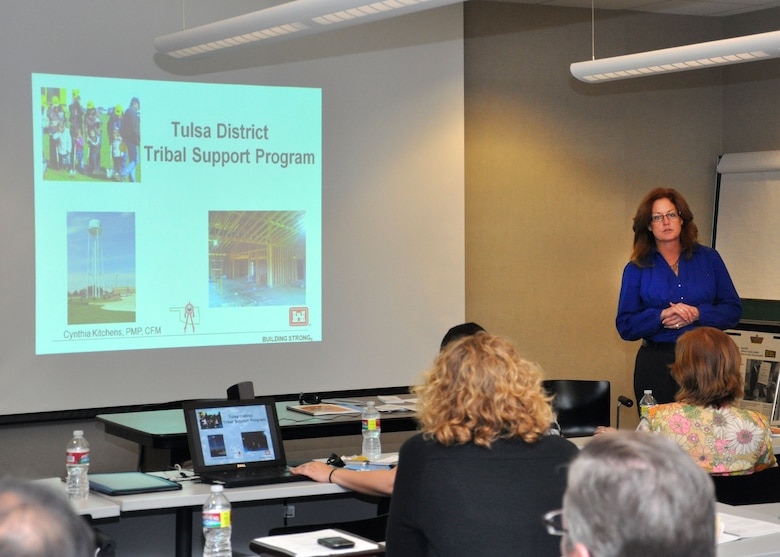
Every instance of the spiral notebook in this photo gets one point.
(237, 442)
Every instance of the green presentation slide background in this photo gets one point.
(153, 234)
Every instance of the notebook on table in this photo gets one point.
(237, 442)
(129, 483)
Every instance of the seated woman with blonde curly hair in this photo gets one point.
(482, 472)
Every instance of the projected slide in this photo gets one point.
(175, 214)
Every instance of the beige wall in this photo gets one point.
(555, 169)
(751, 112)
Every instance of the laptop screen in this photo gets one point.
(233, 434)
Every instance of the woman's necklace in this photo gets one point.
(675, 266)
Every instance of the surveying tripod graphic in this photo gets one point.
(188, 314)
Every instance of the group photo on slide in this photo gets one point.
(92, 141)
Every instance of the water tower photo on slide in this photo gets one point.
(101, 268)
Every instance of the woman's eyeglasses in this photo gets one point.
(671, 215)
(553, 521)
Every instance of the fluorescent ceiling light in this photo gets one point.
(293, 19)
(689, 57)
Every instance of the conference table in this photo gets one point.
(192, 496)
(162, 434)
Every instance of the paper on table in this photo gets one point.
(725, 538)
(367, 467)
(323, 409)
(386, 458)
(736, 527)
(390, 399)
(305, 544)
(385, 461)
(395, 408)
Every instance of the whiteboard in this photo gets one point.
(746, 231)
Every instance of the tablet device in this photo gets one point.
(128, 483)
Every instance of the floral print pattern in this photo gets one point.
(726, 441)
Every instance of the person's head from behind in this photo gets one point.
(38, 522)
(634, 493)
(460, 331)
(479, 390)
(707, 368)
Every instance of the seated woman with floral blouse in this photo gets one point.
(725, 440)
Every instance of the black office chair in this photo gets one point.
(580, 405)
(753, 489)
(105, 546)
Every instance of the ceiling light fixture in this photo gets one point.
(292, 19)
(749, 48)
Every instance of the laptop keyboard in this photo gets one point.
(254, 476)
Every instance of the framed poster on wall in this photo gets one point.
(760, 366)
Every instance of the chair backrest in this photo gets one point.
(753, 489)
(580, 405)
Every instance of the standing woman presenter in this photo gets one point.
(671, 284)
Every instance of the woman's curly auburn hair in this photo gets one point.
(479, 390)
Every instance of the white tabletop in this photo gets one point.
(95, 505)
(194, 494)
(762, 546)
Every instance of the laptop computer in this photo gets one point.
(237, 442)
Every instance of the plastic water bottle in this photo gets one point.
(372, 428)
(645, 403)
(77, 467)
(216, 524)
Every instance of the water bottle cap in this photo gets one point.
(648, 391)
(217, 488)
(78, 433)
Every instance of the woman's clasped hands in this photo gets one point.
(678, 315)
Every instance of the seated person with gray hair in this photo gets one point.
(632, 494)
(36, 521)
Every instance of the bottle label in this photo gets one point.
(371, 424)
(77, 457)
(216, 519)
